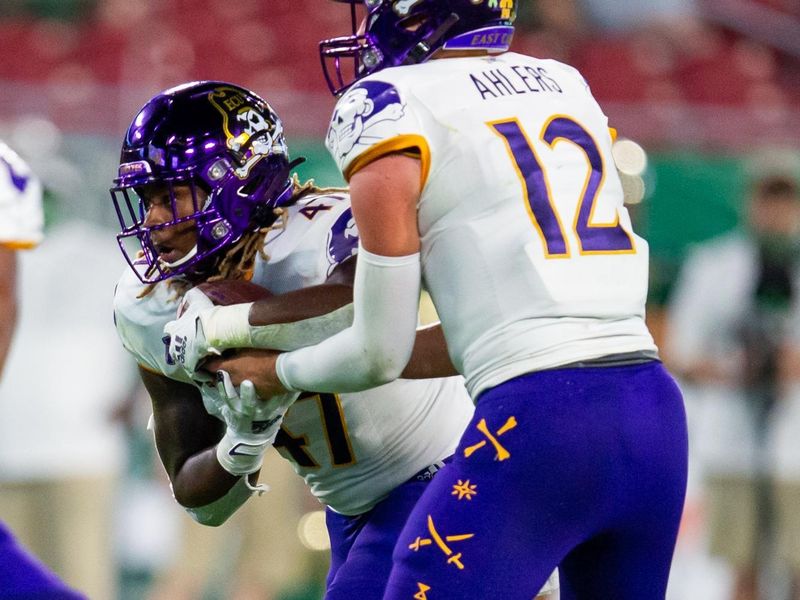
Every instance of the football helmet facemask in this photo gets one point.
(404, 32)
(211, 136)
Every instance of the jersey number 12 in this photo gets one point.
(593, 238)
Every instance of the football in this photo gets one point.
(233, 291)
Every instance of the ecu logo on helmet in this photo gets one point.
(240, 120)
(246, 128)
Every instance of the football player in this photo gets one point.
(21, 225)
(204, 193)
(489, 176)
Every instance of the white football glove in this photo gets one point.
(186, 342)
(252, 424)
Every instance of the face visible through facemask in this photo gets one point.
(173, 238)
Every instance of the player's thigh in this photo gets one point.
(364, 571)
(625, 565)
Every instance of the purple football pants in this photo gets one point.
(584, 469)
(361, 546)
(22, 577)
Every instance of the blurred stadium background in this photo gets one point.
(695, 88)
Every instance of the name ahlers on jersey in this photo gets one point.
(511, 80)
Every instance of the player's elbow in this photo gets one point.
(380, 374)
(185, 496)
(384, 365)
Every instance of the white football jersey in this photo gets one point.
(527, 250)
(21, 218)
(351, 449)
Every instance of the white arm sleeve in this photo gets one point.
(378, 345)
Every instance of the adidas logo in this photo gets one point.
(180, 349)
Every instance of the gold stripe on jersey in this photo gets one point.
(390, 146)
(613, 133)
(19, 244)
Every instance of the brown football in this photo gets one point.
(233, 291)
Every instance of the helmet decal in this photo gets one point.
(246, 127)
(138, 167)
(364, 106)
(506, 7)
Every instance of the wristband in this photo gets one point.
(242, 455)
(227, 326)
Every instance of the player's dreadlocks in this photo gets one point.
(238, 260)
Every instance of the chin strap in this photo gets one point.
(419, 52)
(297, 161)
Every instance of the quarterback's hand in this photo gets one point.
(245, 412)
(186, 343)
(252, 424)
(254, 365)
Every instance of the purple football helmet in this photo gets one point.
(213, 137)
(406, 32)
